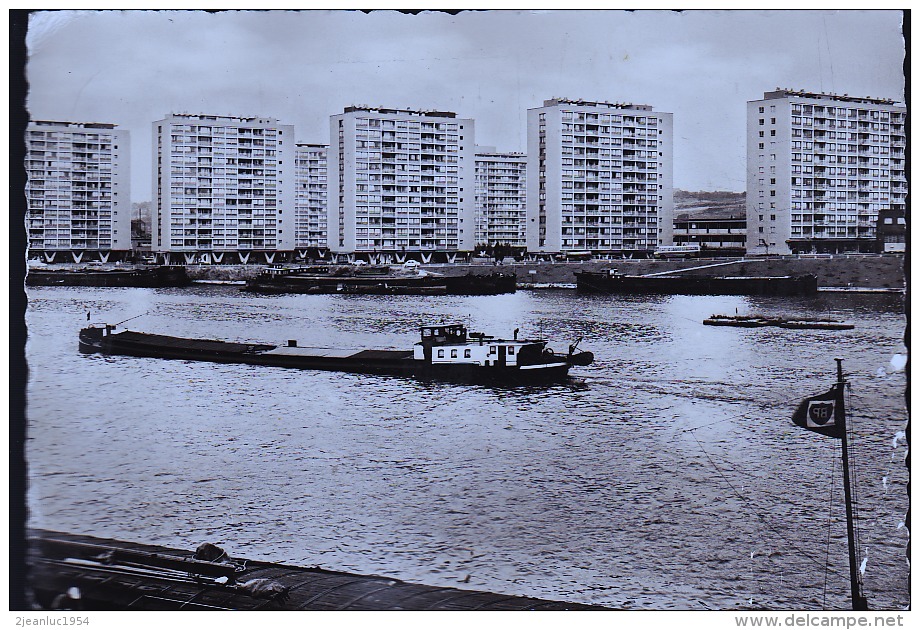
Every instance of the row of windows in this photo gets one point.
(406, 124)
(841, 111)
(224, 130)
(607, 118)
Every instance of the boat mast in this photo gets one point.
(859, 602)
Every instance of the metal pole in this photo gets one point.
(858, 601)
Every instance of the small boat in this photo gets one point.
(612, 281)
(757, 321)
(144, 277)
(376, 280)
(445, 352)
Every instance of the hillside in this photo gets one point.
(708, 204)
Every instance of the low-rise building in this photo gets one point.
(725, 236)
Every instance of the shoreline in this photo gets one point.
(844, 273)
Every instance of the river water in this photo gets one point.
(667, 475)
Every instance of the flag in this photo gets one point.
(822, 414)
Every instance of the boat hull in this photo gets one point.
(379, 362)
(600, 282)
(153, 277)
(121, 575)
(377, 284)
(777, 322)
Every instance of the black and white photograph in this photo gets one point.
(450, 310)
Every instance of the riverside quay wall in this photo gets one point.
(837, 271)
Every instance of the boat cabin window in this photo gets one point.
(440, 354)
(447, 332)
(467, 354)
(510, 349)
(491, 349)
(453, 354)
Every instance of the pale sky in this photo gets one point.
(133, 67)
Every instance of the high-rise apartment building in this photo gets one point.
(310, 197)
(600, 177)
(820, 168)
(78, 189)
(400, 182)
(223, 185)
(501, 198)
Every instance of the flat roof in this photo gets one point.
(391, 110)
(826, 96)
(219, 118)
(76, 125)
(582, 103)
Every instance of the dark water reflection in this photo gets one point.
(665, 475)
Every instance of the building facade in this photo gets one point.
(310, 212)
(820, 168)
(600, 178)
(501, 198)
(223, 188)
(724, 236)
(78, 191)
(891, 231)
(401, 184)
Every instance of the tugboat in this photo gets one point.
(445, 352)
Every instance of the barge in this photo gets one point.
(376, 280)
(614, 282)
(445, 352)
(758, 321)
(143, 277)
(70, 572)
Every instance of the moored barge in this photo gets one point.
(376, 280)
(445, 352)
(143, 277)
(613, 282)
(759, 321)
(83, 573)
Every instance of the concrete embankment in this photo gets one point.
(875, 272)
